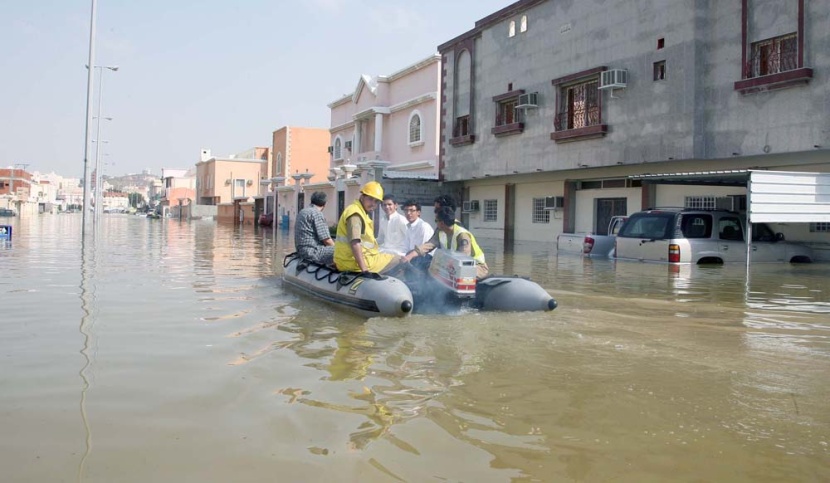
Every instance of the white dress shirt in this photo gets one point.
(417, 233)
(394, 235)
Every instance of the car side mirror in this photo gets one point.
(779, 237)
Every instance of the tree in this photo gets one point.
(136, 199)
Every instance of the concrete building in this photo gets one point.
(298, 153)
(231, 183)
(179, 190)
(556, 115)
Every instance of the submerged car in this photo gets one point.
(682, 236)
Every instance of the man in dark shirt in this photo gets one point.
(312, 238)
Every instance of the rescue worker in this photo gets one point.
(452, 236)
(355, 247)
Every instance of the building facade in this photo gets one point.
(552, 112)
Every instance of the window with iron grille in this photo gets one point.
(491, 210)
(700, 202)
(579, 105)
(462, 126)
(415, 129)
(771, 56)
(820, 227)
(540, 214)
(506, 112)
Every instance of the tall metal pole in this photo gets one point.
(89, 86)
(98, 148)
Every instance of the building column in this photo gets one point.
(378, 132)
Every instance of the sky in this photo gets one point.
(192, 74)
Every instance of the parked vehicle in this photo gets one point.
(591, 244)
(682, 236)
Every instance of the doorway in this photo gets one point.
(607, 208)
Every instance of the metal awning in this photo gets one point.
(727, 177)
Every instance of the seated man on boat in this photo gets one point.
(312, 238)
(418, 231)
(391, 227)
(452, 236)
(355, 248)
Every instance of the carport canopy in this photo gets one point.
(772, 196)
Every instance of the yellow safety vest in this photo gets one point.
(476, 252)
(343, 256)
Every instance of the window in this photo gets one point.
(661, 42)
(415, 128)
(771, 56)
(730, 229)
(338, 148)
(820, 227)
(462, 126)
(540, 214)
(523, 27)
(579, 106)
(700, 202)
(696, 226)
(512, 29)
(660, 70)
(506, 112)
(491, 210)
(279, 164)
(238, 189)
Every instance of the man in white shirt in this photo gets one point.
(418, 231)
(392, 229)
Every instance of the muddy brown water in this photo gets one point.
(161, 350)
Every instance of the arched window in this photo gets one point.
(279, 164)
(338, 152)
(415, 133)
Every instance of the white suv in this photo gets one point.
(698, 236)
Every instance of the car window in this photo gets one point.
(762, 232)
(652, 225)
(696, 225)
(730, 229)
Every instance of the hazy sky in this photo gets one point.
(216, 74)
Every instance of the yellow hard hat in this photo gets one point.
(373, 189)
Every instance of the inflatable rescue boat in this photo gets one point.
(443, 283)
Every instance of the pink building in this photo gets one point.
(387, 127)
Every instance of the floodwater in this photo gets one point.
(169, 351)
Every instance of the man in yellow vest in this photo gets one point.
(355, 248)
(452, 236)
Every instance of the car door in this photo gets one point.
(765, 247)
(697, 239)
(731, 241)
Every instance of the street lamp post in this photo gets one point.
(101, 68)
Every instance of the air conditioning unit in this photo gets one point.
(554, 202)
(349, 145)
(528, 100)
(331, 149)
(613, 79)
(469, 206)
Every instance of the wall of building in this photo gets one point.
(693, 120)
